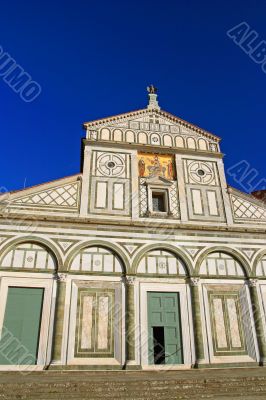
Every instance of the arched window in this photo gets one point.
(161, 262)
(142, 138)
(96, 259)
(28, 256)
(261, 267)
(202, 144)
(191, 144)
(179, 141)
(167, 140)
(221, 264)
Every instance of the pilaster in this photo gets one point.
(130, 323)
(59, 318)
(84, 201)
(253, 288)
(225, 195)
(181, 188)
(199, 348)
(134, 186)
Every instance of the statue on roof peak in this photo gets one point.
(152, 89)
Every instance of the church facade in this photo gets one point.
(146, 259)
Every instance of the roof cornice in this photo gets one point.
(151, 148)
(78, 220)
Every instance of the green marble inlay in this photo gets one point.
(221, 326)
(88, 326)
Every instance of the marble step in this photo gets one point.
(235, 384)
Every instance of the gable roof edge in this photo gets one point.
(66, 179)
(247, 196)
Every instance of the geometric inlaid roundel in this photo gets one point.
(201, 172)
(110, 164)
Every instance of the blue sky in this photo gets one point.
(94, 59)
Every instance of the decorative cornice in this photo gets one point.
(152, 148)
(69, 219)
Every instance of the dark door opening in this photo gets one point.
(158, 345)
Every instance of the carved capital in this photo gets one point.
(60, 277)
(194, 281)
(130, 280)
(252, 282)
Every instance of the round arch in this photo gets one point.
(259, 256)
(38, 241)
(163, 246)
(102, 244)
(227, 250)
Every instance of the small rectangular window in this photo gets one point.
(158, 202)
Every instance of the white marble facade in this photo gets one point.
(149, 212)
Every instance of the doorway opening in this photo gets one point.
(164, 328)
(158, 345)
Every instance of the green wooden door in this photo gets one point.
(164, 328)
(20, 331)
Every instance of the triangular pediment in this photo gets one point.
(151, 120)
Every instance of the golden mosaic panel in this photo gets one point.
(155, 165)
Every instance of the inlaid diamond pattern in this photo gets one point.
(62, 196)
(143, 197)
(174, 201)
(244, 209)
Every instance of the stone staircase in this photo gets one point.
(241, 383)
